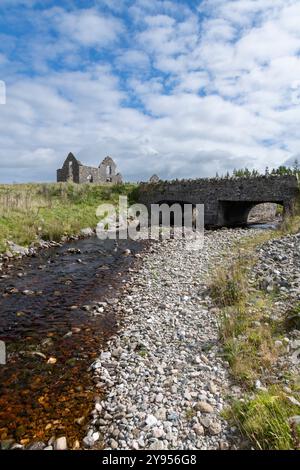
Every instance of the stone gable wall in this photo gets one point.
(79, 173)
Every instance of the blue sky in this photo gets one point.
(179, 88)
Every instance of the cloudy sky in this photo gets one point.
(180, 88)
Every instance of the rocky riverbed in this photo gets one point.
(277, 272)
(161, 380)
(164, 374)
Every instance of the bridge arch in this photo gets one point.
(236, 213)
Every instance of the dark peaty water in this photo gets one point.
(45, 388)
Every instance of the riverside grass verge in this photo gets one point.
(248, 335)
(49, 211)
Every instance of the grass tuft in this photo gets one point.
(264, 420)
(228, 286)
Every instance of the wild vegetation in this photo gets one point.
(249, 340)
(266, 420)
(49, 211)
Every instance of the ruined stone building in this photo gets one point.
(73, 170)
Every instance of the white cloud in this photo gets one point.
(86, 26)
(212, 93)
(133, 59)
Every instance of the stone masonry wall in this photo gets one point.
(219, 195)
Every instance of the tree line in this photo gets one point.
(281, 170)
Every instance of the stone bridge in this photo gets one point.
(227, 202)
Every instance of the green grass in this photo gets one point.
(229, 286)
(49, 211)
(248, 335)
(248, 340)
(264, 420)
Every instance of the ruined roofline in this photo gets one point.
(71, 155)
(106, 160)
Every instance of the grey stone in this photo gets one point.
(61, 443)
(214, 428)
(204, 407)
(37, 446)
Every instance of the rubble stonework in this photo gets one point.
(73, 170)
(227, 202)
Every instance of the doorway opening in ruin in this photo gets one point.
(70, 171)
(108, 173)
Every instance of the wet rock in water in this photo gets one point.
(52, 360)
(6, 444)
(37, 353)
(96, 436)
(80, 420)
(11, 290)
(74, 250)
(88, 308)
(88, 441)
(127, 252)
(17, 249)
(87, 232)
(36, 446)
(28, 292)
(61, 443)
(76, 445)
(17, 447)
(68, 335)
